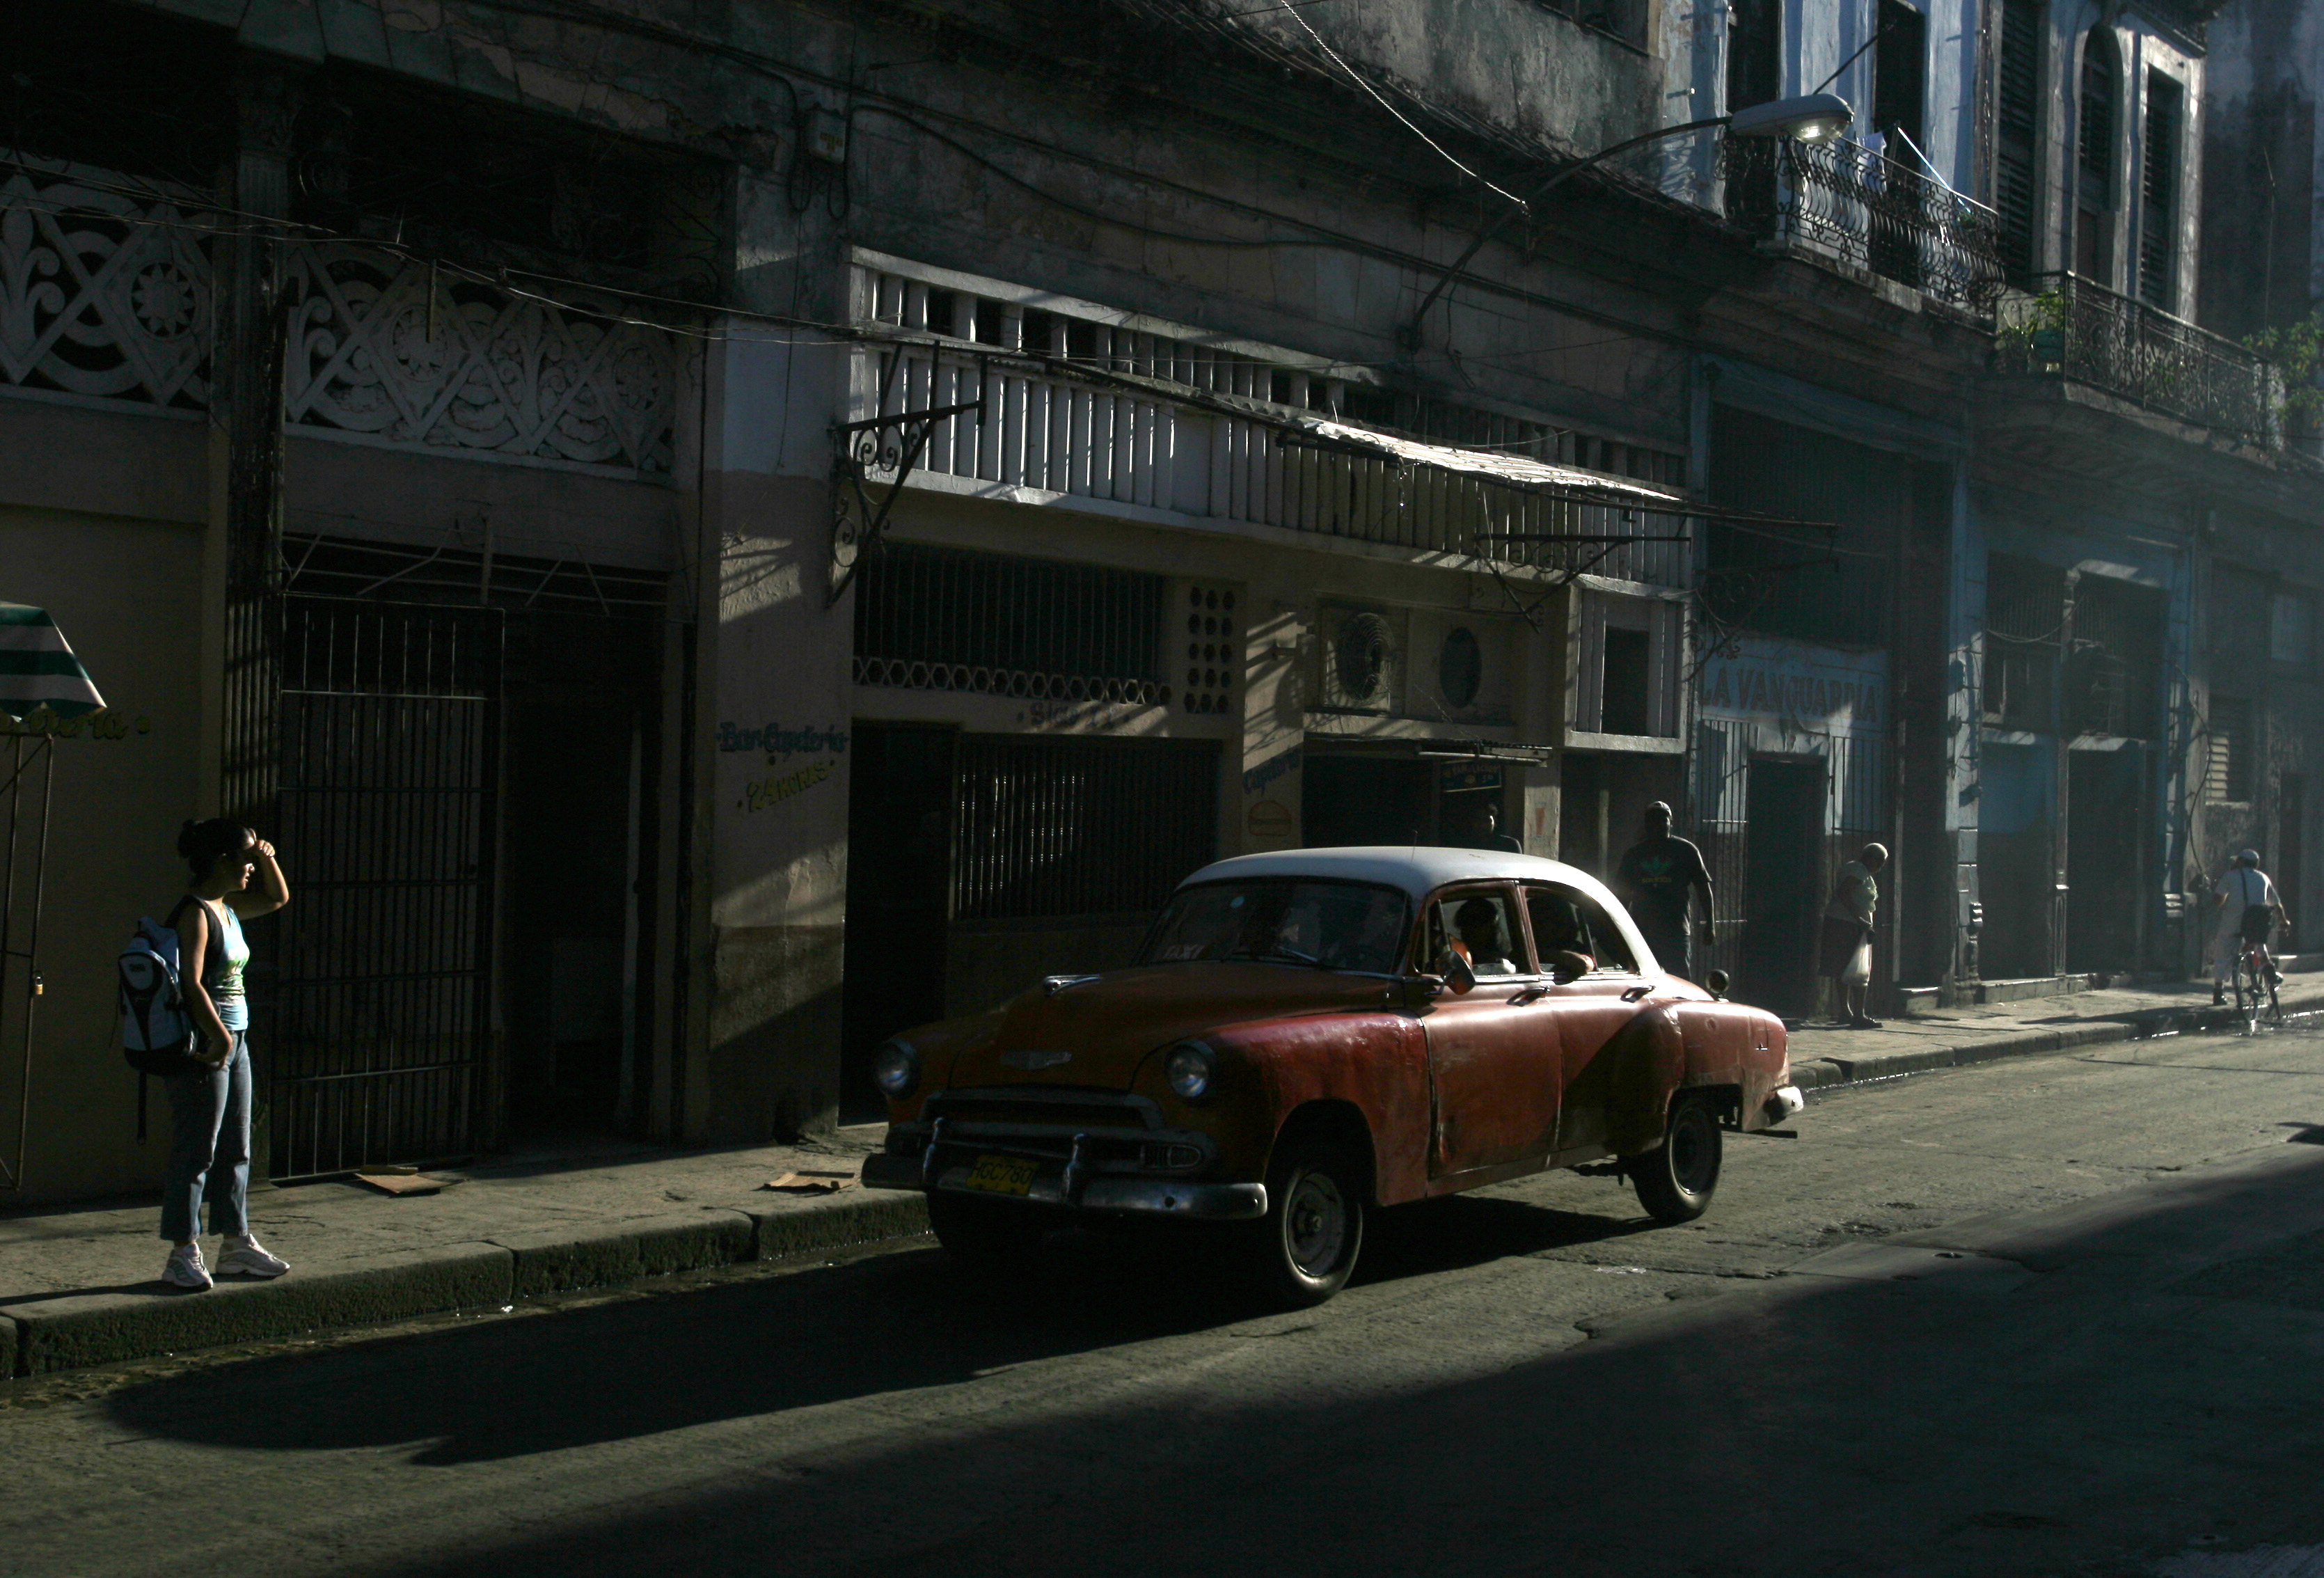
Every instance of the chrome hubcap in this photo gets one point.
(1314, 1225)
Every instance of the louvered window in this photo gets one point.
(2094, 145)
(2016, 128)
(2228, 769)
(2158, 231)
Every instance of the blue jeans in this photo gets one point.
(209, 1148)
(1673, 950)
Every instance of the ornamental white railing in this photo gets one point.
(392, 350)
(1046, 429)
(106, 294)
(103, 296)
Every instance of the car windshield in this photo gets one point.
(1318, 925)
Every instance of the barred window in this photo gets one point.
(2024, 620)
(931, 618)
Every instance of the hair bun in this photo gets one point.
(186, 835)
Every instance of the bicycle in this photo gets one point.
(2256, 983)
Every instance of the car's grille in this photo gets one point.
(1066, 1110)
(1120, 1132)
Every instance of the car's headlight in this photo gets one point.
(1190, 1069)
(896, 1068)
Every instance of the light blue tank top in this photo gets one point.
(225, 960)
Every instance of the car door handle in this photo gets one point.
(1530, 994)
(1639, 994)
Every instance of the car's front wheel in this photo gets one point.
(1303, 1251)
(1676, 1179)
(985, 1233)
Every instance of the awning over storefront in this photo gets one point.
(1568, 482)
(38, 669)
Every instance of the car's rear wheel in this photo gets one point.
(986, 1232)
(1303, 1249)
(1676, 1179)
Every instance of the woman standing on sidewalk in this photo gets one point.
(209, 1114)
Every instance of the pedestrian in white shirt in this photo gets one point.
(2248, 905)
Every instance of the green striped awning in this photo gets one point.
(38, 669)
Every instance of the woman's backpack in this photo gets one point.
(157, 1034)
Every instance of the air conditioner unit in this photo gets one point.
(1361, 651)
(1461, 668)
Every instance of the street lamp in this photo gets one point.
(1813, 117)
(1809, 119)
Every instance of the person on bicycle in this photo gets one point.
(2249, 909)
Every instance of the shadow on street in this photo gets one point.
(2123, 1376)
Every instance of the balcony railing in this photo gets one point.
(1858, 207)
(1044, 427)
(2073, 330)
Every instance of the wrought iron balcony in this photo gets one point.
(1854, 204)
(2073, 330)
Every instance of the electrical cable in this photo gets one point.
(1409, 124)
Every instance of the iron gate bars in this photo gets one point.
(24, 752)
(381, 979)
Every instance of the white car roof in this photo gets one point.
(1418, 869)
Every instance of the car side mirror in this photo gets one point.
(1417, 991)
(1458, 979)
(1718, 981)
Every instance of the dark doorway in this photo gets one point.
(2103, 851)
(1783, 884)
(1368, 799)
(899, 816)
(1586, 829)
(579, 707)
(2290, 852)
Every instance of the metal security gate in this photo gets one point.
(379, 1018)
(1078, 827)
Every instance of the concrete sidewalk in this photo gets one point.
(1824, 1055)
(82, 1285)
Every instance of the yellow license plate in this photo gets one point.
(1004, 1174)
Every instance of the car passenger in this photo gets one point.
(1477, 924)
(1562, 939)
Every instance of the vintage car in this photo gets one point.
(1310, 1035)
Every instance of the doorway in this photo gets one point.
(1368, 799)
(2103, 859)
(899, 816)
(1783, 883)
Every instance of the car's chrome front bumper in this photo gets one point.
(1784, 1103)
(1195, 1202)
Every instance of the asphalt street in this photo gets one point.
(2052, 1316)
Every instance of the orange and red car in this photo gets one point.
(1309, 1037)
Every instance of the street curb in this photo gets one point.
(1831, 1072)
(41, 1336)
(78, 1330)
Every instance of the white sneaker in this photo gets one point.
(246, 1257)
(184, 1268)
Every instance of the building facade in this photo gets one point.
(708, 537)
